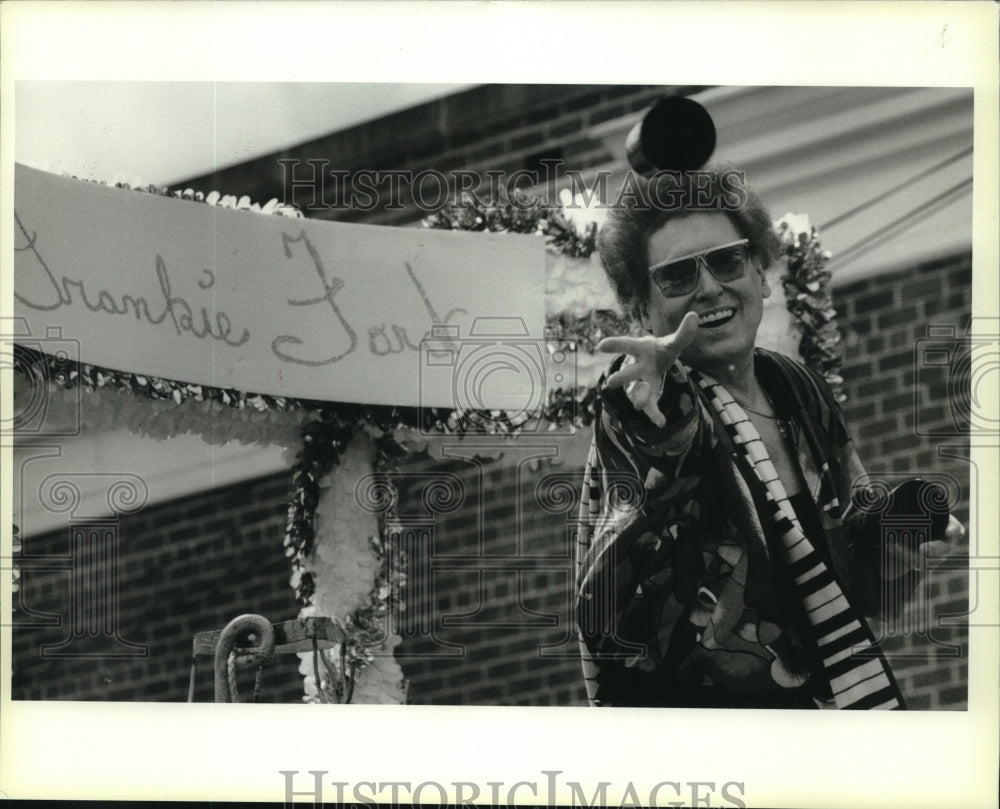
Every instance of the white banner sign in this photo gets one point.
(269, 304)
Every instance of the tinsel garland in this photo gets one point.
(40, 368)
(271, 207)
(327, 425)
(507, 217)
(807, 295)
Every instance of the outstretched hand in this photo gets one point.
(651, 357)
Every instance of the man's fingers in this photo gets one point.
(621, 345)
(933, 553)
(643, 398)
(909, 559)
(687, 331)
(671, 346)
(955, 531)
(928, 555)
(674, 343)
(652, 411)
(621, 377)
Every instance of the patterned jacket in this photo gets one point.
(682, 596)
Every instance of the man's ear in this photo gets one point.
(765, 288)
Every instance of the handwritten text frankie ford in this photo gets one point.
(188, 318)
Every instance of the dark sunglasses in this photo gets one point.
(679, 276)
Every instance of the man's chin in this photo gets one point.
(720, 356)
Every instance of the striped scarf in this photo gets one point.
(859, 676)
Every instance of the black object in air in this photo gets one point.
(676, 134)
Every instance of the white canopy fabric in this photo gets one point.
(900, 158)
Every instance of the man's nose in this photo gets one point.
(707, 285)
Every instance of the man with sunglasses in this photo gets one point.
(737, 570)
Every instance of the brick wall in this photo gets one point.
(194, 564)
(901, 412)
(184, 567)
(499, 615)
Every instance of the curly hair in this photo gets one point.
(646, 205)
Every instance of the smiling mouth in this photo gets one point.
(715, 319)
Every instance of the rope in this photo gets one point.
(194, 671)
(874, 201)
(330, 669)
(904, 222)
(319, 682)
(350, 684)
(343, 665)
(231, 676)
(257, 683)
